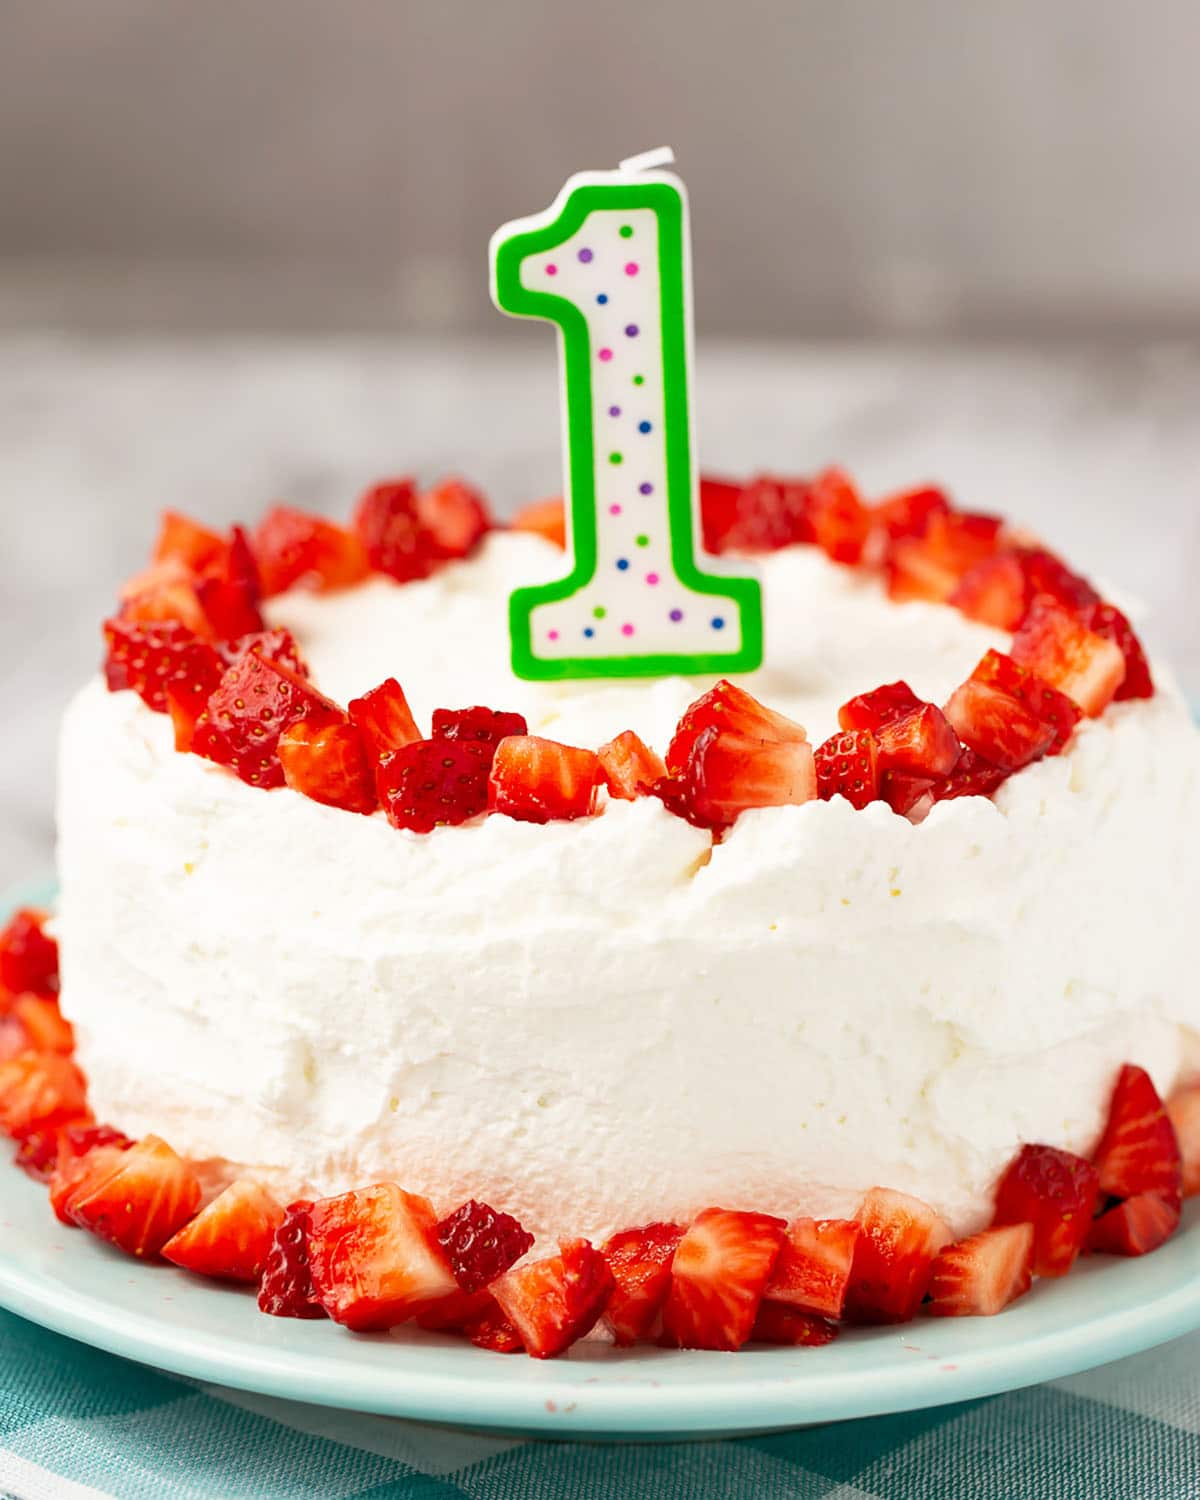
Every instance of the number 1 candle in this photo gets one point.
(610, 263)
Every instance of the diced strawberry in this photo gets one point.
(452, 1313)
(727, 774)
(538, 781)
(920, 743)
(1108, 621)
(1056, 1193)
(928, 567)
(1052, 707)
(43, 1024)
(28, 954)
(166, 592)
(254, 704)
(904, 794)
(286, 1288)
(814, 1264)
(37, 1150)
(1183, 1110)
(731, 710)
(388, 524)
(374, 1258)
(47, 1153)
(1005, 731)
(719, 502)
(1047, 574)
(1079, 662)
(553, 1302)
(76, 1174)
(278, 646)
(780, 1323)
(297, 550)
(481, 1243)
(39, 1089)
(230, 598)
(152, 659)
(493, 1330)
(384, 719)
(483, 726)
(908, 514)
(148, 1196)
(329, 764)
(1136, 1226)
(1138, 1152)
(883, 705)
(455, 516)
(434, 783)
(546, 518)
(629, 767)
(847, 766)
(762, 516)
(840, 521)
(720, 1271)
(232, 1237)
(640, 1261)
(993, 592)
(186, 541)
(893, 1260)
(981, 1275)
(971, 777)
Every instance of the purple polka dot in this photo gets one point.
(632, 268)
(614, 510)
(554, 635)
(551, 270)
(614, 411)
(605, 355)
(585, 255)
(631, 330)
(651, 579)
(645, 489)
(676, 615)
(626, 629)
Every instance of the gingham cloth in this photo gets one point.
(76, 1423)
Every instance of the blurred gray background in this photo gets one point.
(243, 257)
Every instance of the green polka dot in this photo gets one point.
(616, 458)
(642, 541)
(626, 231)
(599, 612)
(639, 380)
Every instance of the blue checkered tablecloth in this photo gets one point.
(76, 1423)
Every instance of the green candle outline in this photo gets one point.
(512, 297)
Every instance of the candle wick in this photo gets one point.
(645, 161)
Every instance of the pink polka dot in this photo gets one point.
(626, 629)
(606, 355)
(652, 578)
(554, 635)
(631, 268)
(551, 270)
(614, 510)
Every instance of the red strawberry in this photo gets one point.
(388, 524)
(731, 710)
(847, 766)
(908, 514)
(727, 774)
(278, 646)
(920, 743)
(893, 1260)
(484, 726)
(1079, 662)
(545, 518)
(42, 1025)
(640, 1261)
(763, 516)
(1047, 574)
(1006, 732)
(838, 518)
(137, 1199)
(384, 719)
(905, 794)
(1056, 1193)
(230, 598)
(719, 502)
(286, 1288)
(452, 1313)
(434, 783)
(151, 659)
(929, 567)
(780, 1323)
(993, 592)
(1138, 1152)
(1051, 706)
(328, 763)
(75, 1174)
(185, 541)
(166, 592)
(813, 1269)
(553, 1302)
(296, 550)
(629, 767)
(1183, 1110)
(720, 1271)
(232, 1237)
(972, 777)
(254, 704)
(1108, 621)
(481, 1243)
(537, 781)
(981, 1275)
(38, 1090)
(38, 1150)
(1136, 1226)
(493, 1330)
(373, 1255)
(28, 954)
(883, 705)
(455, 516)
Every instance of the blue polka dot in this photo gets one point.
(718, 623)
(588, 631)
(602, 298)
(643, 426)
(622, 563)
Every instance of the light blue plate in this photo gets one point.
(70, 1282)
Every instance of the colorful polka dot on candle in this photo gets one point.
(645, 488)
(585, 255)
(651, 579)
(626, 231)
(602, 298)
(614, 510)
(631, 330)
(599, 612)
(643, 540)
(605, 355)
(553, 635)
(614, 411)
(588, 632)
(616, 458)
(718, 622)
(675, 616)
(631, 268)
(622, 564)
(551, 270)
(644, 427)
(626, 629)
(639, 380)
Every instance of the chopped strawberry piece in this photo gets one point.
(232, 1237)
(629, 767)
(147, 1196)
(719, 502)
(847, 766)
(981, 1275)
(329, 764)
(640, 1261)
(254, 704)
(905, 794)
(840, 521)
(28, 954)
(43, 1024)
(553, 1302)
(1056, 1193)
(538, 781)
(37, 1150)
(1079, 662)
(883, 705)
(1108, 621)
(1136, 1226)
(993, 592)
(296, 550)
(480, 1243)
(153, 659)
(1006, 732)
(1138, 1152)
(546, 518)
(972, 777)
(929, 567)
(780, 1323)
(908, 514)
(77, 1174)
(893, 1260)
(731, 710)
(720, 1271)
(727, 774)
(493, 1330)
(1051, 706)
(1183, 1110)
(761, 516)
(921, 743)
(230, 599)
(813, 1269)
(388, 524)
(1047, 574)
(166, 592)
(278, 646)
(38, 1090)
(73, 1141)
(384, 719)
(435, 783)
(455, 516)
(453, 1312)
(374, 1257)
(286, 1288)
(484, 726)
(183, 540)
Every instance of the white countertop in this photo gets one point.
(1099, 451)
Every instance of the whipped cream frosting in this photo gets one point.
(598, 1023)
